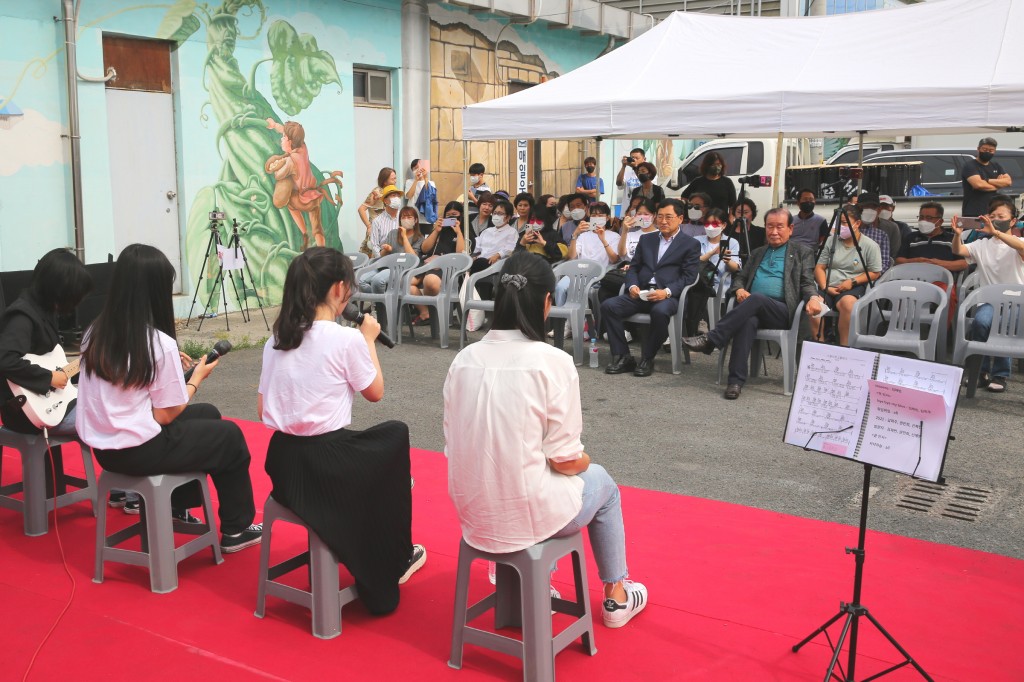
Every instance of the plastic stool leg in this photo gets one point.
(33, 476)
(101, 535)
(261, 589)
(507, 605)
(461, 604)
(579, 573)
(90, 476)
(163, 569)
(324, 586)
(538, 650)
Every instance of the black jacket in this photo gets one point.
(24, 328)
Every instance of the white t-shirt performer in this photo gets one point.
(350, 487)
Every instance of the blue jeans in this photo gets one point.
(561, 291)
(375, 281)
(980, 328)
(601, 514)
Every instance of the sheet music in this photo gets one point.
(906, 429)
(923, 376)
(830, 398)
(230, 257)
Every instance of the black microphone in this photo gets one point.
(352, 314)
(220, 348)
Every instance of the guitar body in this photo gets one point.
(47, 410)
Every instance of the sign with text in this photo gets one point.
(522, 182)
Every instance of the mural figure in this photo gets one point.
(295, 186)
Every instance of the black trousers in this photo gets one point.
(484, 287)
(741, 324)
(198, 440)
(615, 310)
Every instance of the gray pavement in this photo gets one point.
(675, 433)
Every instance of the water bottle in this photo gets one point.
(593, 353)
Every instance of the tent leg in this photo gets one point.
(597, 155)
(780, 151)
(467, 228)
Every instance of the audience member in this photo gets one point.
(591, 240)
(477, 186)
(632, 227)
(517, 471)
(350, 487)
(776, 279)
(494, 244)
(574, 212)
(847, 274)
(421, 192)
(719, 266)
(981, 178)
(931, 243)
(742, 228)
(626, 179)
(549, 200)
(588, 183)
(714, 181)
(406, 238)
(697, 207)
(874, 227)
(541, 237)
(385, 223)
(441, 241)
(645, 174)
(482, 222)
(886, 210)
(663, 265)
(809, 228)
(373, 205)
(523, 203)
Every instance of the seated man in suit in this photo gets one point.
(663, 264)
(773, 282)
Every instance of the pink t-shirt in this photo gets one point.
(111, 417)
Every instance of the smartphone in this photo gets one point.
(449, 222)
(971, 223)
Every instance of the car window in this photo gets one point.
(1014, 165)
(938, 169)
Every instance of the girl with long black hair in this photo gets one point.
(351, 487)
(133, 402)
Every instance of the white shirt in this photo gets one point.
(632, 239)
(380, 228)
(589, 246)
(997, 262)
(308, 390)
(416, 194)
(723, 270)
(111, 417)
(511, 405)
(500, 240)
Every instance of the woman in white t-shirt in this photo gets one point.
(517, 472)
(133, 406)
(351, 487)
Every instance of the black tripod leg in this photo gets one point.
(823, 628)
(202, 269)
(830, 673)
(254, 290)
(898, 648)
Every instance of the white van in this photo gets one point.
(742, 158)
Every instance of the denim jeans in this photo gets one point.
(601, 514)
(375, 281)
(561, 291)
(980, 328)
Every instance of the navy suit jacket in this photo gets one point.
(676, 269)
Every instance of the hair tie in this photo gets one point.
(518, 281)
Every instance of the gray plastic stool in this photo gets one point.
(324, 598)
(528, 606)
(34, 504)
(155, 527)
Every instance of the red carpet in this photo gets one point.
(732, 589)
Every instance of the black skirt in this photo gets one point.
(353, 489)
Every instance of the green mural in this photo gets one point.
(282, 202)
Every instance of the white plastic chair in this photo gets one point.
(914, 305)
(396, 264)
(675, 330)
(470, 304)
(451, 266)
(1005, 339)
(787, 339)
(359, 259)
(583, 275)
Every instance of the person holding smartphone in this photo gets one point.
(541, 237)
(445, 237)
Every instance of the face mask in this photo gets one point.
(925, 226)
(396, 202)
(598, 221)
(645, 221)
(408, 223)
(498, 220)
(713, 232)
(591, 169)
(631, 212)
(694, 214)
(845, 232)
(535, 226)
(643, 177)
(1002, 225)
(807, 206)
(868, 215)
(885, 214)
(566, 212)
(577, 214)
(715, 169)
(473, 179)
(985, 156)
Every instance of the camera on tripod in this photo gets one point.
(216, 215)
(756, 180)
(851, 172)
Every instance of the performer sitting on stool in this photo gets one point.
(351, 487)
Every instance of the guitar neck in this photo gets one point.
(71, 369)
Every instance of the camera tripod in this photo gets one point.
(234, 246)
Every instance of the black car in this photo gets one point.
(940, 173)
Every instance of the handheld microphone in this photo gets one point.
(220, 348)
(352, 314)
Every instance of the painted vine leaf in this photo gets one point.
(300, 68)
(180, 22)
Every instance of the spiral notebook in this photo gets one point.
(889, 411)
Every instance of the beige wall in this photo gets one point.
(465, 69)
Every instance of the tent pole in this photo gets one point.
(597, 155)
(779, 152)
(467, 227)
(860, 160)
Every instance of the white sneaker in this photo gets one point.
(418, 558)
(616, 615)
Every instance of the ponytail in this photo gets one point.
(306, 284)
(525, 281)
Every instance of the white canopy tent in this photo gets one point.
(944, 66)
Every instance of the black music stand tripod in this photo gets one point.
(852, 613)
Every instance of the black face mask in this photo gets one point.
(591, 169)
(806, 206)
(643, 177)
(1002, 225)
(985, 156)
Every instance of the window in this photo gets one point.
(371, 86)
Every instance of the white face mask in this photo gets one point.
(845, 232)
(566, 212)
(713, 232)
(868, 215)
(694, 214)
(577, 214)
(473, 179)
(408, 223)
(885, 214)
(631, 212)
(598, 221)
(498, 220)
(395, 202)
(644, 221)
(925, 226)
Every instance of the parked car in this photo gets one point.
(850, 153)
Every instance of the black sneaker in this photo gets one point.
(418, 558)
(252, 535)
(117, 498)
(132, 506)
(184, 515)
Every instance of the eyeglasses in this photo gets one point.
(499, 213)
(928, 217)
(666, 217)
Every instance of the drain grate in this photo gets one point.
(960, 502)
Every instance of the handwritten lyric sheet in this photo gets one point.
(906, 430)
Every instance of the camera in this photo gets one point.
(756, 180)
(851, 172)
(216, 215)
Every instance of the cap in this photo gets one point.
(886, 199)
(867, 198)
(390, 189)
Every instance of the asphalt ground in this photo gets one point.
(675, 433)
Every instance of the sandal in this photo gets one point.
(984, 379)
(421, 321)
(998, 385)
